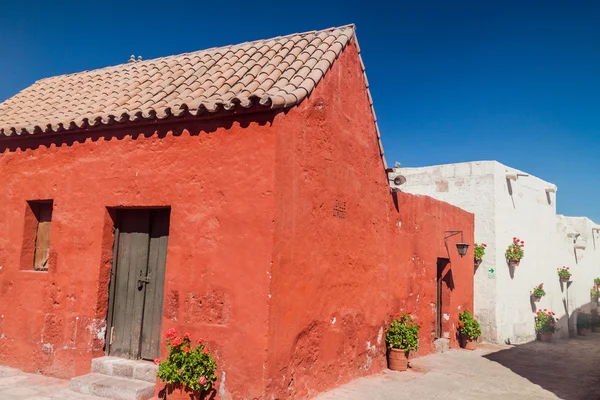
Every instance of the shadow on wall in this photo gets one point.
(567, 368)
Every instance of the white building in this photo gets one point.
(509, 203)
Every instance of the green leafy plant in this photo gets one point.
(479, 251)
(594, 292)
(564, 272)
(596, 282)
(187, 365)
(403, 334)
(595, 318)
(538, 291)
(515, 250)
(545, 321)
(584, 320)
(468, 326)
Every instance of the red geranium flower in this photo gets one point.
(171, 332)
(187, 335)
(177, 341)
(157, 361)
(461, 324)
(186, 349)
(205, 351)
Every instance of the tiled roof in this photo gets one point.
(274, 73)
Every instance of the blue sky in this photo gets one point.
(514, 81)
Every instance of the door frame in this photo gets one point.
(116, 211)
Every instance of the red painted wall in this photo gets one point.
(291, 298)
(337, 281)
(219, 249)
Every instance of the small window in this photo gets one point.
(38, 221)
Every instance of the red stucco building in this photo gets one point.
(237, 193)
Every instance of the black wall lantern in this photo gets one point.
(462, 247)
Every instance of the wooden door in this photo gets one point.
(441, 264)
(137, 283)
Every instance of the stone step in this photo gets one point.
(441, 345)
(113, 366)
(112, 387)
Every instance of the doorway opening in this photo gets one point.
(443, 265)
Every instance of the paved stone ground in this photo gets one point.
(568, 370)
(15, 385)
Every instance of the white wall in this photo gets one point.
(504, 209)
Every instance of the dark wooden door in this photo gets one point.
(137, 283)
(441, 264)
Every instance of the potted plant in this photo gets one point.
(594, 293)
(545, 325)
(584, 321)
(538, 293)
(595, 321)
(468, 329)
(564, 274)
(597, 283)
(401, 338)
(515, 252)
(479, 252)
(189, 370)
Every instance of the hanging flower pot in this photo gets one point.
(514, 253)
(564, 274)
(538, 292)
(479, 252)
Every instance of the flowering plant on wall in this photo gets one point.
(187, 365)
(538, 292)
(597, 282)
(515, 252)
(564, 274)
(479, 252)
(545, 321)
(594, 293)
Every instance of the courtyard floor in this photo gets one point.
(568, 370)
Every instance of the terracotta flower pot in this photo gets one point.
(583, 331)
(565, 279)
(181, 392)
(468, 343)
(536, 298)
(397, 359)
(546, 337)
(513, 262)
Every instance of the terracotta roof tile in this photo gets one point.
(275, 73)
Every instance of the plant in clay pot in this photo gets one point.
(584, 322)
(401, 338)
(597, 283)
(479, 252)
(545, 325)
(564, 274)
(594, 293)
(469, 330)
(189, 371)
(595, 321)
(515, 252)
(538, 292)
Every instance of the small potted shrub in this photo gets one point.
(564, 274)
(401, 338)
(595, 321)
(584, 321)
(189, 371)
(597, 283)
(515, 252)
(545, 325)
(594, 294)
(479, 252)
(469, 330)
(538, 293)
